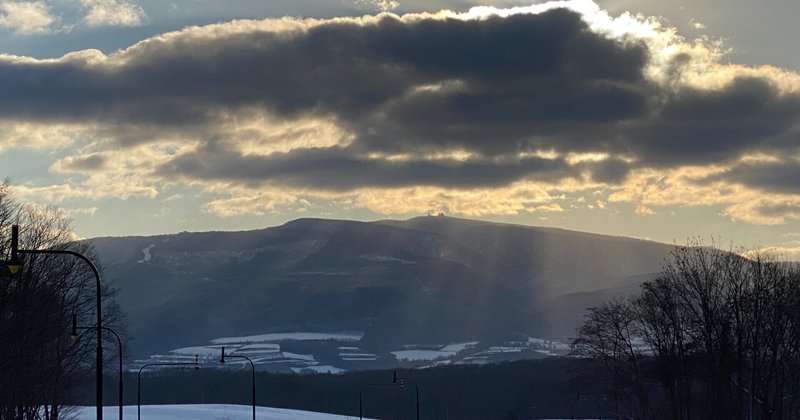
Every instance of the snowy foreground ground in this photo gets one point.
(205, 412)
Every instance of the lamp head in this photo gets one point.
(13, 268)
(14, 264)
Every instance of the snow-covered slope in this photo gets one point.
(205, 412)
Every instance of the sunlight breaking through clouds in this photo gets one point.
(487, 112)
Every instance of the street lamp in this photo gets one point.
(401, 382)
(196, 365)
(74, 336)
(252, 366)
(15, 264)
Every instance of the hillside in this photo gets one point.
(419, 281)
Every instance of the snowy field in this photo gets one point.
(292, 336)
(267, 353)
(205, 412)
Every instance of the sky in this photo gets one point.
(650, 119)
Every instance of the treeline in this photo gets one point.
(526, 389)
(714, 336)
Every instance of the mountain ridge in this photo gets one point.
(423, 280)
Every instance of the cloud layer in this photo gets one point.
(529, 104)
(29, 18)
(26, 18)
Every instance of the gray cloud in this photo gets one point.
(93, 162)
(338, 169)
(774, 177)
(496, 87)
(714, 126)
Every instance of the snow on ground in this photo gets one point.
(146, 252)
(459, 347)
(355, 354)
(503, 349)
(319, 369)
(202, 351)
(548, 344)
(292, 336)
(413, 355)
(205, 412)
(261, 352)
(262, 346)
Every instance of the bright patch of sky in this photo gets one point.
(661, 121)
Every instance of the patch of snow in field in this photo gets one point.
(319, 369)
(279, 361)
(293, 336)
(413, 355)
(306, 357)
(206, 412)
(258, 352)
(548, 344)
(459, 347)
(202, 351)
(355, 354)
(272, 346)
(503, 349)
(147, 256)
(264, 358)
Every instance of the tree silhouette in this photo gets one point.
(41, 366)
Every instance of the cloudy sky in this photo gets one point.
(640, 118)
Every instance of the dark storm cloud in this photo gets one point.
(342, 68)
(774, 177)
(338, 169)
(495, 87)
(715, 126)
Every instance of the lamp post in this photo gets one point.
(15, 264)
(252, 367)
(196, 365)
(74, 336)
(401, 382)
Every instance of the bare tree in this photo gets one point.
(719, 334)
(39, 362)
